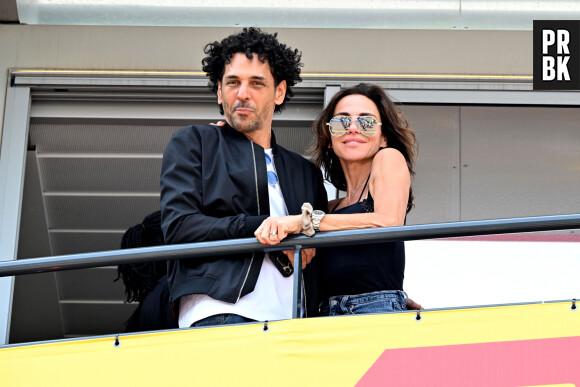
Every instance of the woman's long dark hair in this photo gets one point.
(140, 278)
(394, 126)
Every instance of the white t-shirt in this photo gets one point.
(272, 296)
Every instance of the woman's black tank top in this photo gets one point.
(356, 269)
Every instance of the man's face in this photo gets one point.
(248, 94)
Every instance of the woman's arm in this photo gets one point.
(389, 187)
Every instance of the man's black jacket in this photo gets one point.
(214, 187)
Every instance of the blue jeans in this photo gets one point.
(221, 319)
(376, 302)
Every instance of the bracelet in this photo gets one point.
(306, 220)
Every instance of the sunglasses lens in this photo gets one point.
(367, 125)
(339, 125)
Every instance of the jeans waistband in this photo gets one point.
(326, 303)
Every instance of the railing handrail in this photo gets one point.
(323, 239)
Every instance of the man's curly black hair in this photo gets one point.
(284, 62)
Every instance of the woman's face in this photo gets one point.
(353, 145)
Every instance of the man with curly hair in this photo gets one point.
(222, 182)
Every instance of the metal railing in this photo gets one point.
(323, 239)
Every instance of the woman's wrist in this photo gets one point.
(306, 220)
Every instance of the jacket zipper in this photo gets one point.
(245, 278)
(259, 213)
(255, 176)
(284, 201)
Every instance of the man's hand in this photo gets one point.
(274, 229)
(307, 255)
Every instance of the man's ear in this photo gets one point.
(280, 93)
(219, 93)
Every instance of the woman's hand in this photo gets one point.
(412, 305)
(219, 123)
(275, 229)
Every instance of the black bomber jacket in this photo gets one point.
(214, 187)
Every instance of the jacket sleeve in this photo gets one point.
(182, 217)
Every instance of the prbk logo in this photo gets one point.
(556, 54)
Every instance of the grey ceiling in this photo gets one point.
(420, 14)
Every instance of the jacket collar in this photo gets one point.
(237, 136)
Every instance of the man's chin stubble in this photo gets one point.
(242, 128)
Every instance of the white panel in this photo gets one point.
(490, 97)
(519, 161)
(436, 183)
(443, 274)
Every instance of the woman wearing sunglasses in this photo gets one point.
(366, 149)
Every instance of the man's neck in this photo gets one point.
(262, 137)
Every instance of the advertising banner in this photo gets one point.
(518, 345)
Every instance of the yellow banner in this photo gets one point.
(523, 345)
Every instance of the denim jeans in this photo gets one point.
(221, 319)
(376, 302)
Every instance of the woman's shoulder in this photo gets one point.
(389, 157)
(389, 153)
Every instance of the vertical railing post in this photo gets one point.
(297, 299)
